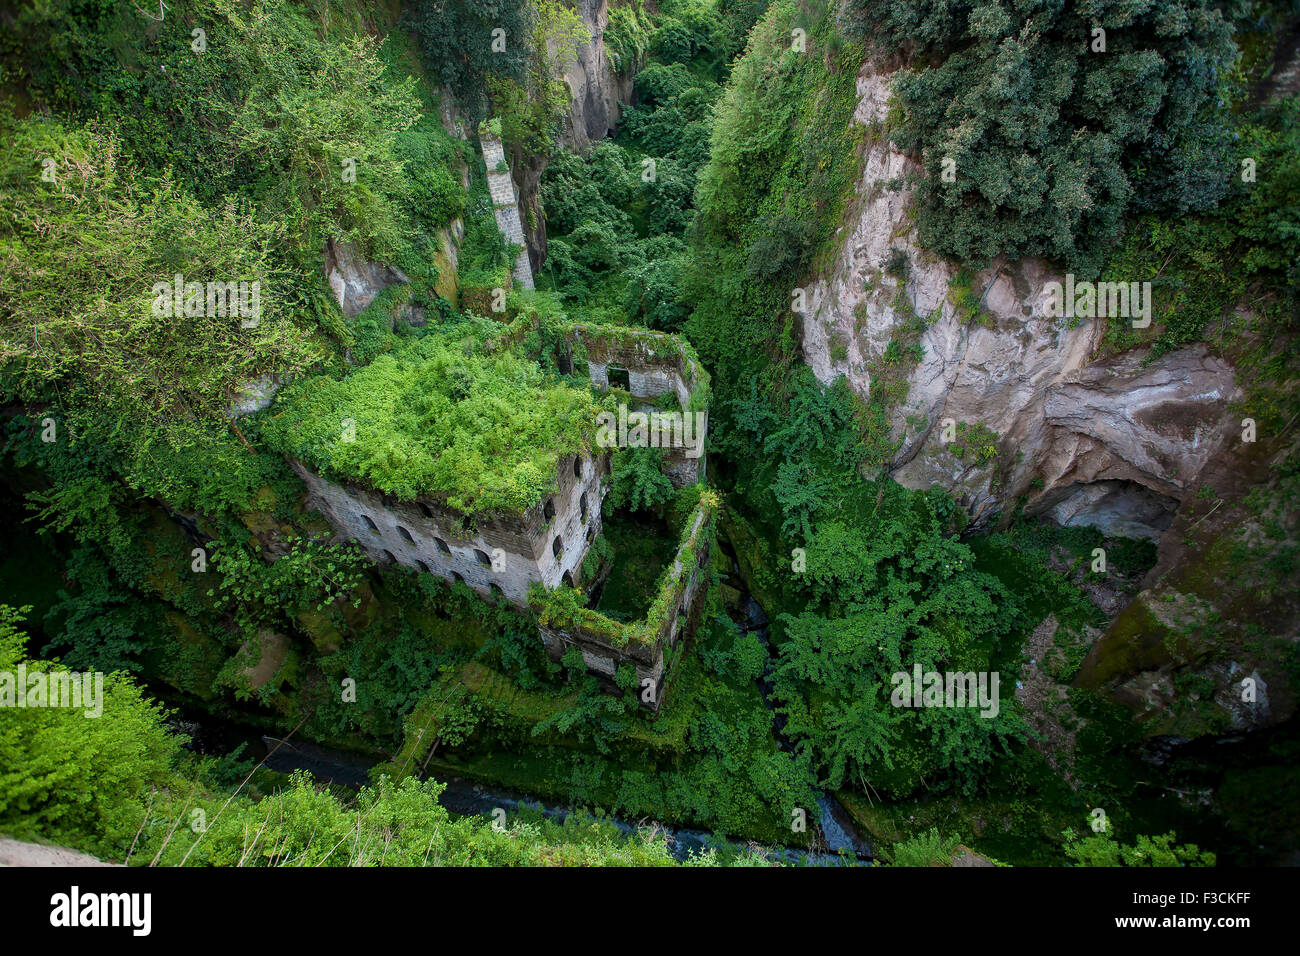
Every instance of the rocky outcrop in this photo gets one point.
(596, 90)
(355, 280)
(253, 396)
(1110, 441)
(1206, 647)
(22, 853)
(597, 94)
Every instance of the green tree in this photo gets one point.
(1052, 138)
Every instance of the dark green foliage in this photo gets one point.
(783, 163)
(310, 575)
(430, 159)
(1247, 251)
(885, 592)
(617, 217)
(883, 588)
(1054, 141)
(456, 41)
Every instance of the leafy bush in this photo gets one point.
(1054, 141)
(637, 480)
(482, 431)
(1100, 849)
(924, 849)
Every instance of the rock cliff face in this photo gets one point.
(995, 399)
(1085, 438)
(597, 91)
(597, 94)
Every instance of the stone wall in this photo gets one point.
(505, 206)
(655, 366)
(680, 601)
(506, 554)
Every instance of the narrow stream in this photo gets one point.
(461, 797)
(465, 798)
(837, 828)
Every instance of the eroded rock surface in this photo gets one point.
(1111, 441)
(598, 92)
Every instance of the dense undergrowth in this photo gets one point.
(174, 545)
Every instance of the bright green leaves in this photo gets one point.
(481, 431)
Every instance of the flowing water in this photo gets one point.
(461, 797)
(837, 832)
(837, 829)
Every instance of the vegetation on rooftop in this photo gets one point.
(438, 417)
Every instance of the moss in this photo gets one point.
(1134, 642)
(439, 417)
(563, 610)
(478, 289)
(448, 285)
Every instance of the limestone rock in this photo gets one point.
(354, 280)
(596, 90)
(1110, 441)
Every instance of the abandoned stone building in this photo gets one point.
(645, 644)
(648, 365)
(502, 555)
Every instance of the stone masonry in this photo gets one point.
(505, 206)
(502, 556)
(685, 591)
(653, 367)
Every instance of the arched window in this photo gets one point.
(497, 593)
(567, 579)
(577, 466)
(406, 535)
(557, 546)
(458, 578)
(370, 524)
(390, 557)
(424, 510)
(582, 506)
(442, 545)
(483, 559)
(548, 510)
(423, 567)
